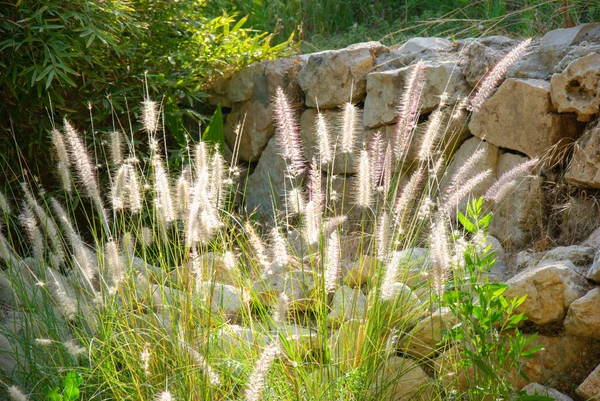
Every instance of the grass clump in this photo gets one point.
(159, 288)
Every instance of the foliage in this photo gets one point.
(59, 58)
(329, 24)
(70, 391)
(485, 316)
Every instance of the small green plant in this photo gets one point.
(484, 315)
(70, 391)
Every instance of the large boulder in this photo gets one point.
(520, 116)
(383, 89)
(583, 318)
(577, 89)
(518, 215)
(550, 287)
(332, 78)
(583, 169)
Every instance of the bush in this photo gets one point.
(61, 57)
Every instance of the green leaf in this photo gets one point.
(72, 383)
(53, 394)
(485, 221)
(214, 132)
(467, 224)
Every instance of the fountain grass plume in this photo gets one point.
(508, 180)
(492, 78)
(63, 160)
(288, 134)
(408, 109)
(364, 192)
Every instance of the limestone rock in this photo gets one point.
(256, 120)
(347, 304)
(332, 78)
(414, 49)
(419, 45)
(414, 266)
(268, 175)
(423, 340)
(577, 89)
(283, 72)
(520, 213)
(243, 84)
(583, 318)
(481, 55)
(297, 285)
(489, 161)
(551, 287)
(579, 255)
(594, 271)
(545, 54)
(538, 389)
(519, 116)
(222, 298)
(383, 89)
(590, 388)
(402, 379)
(583, 169)
(557, 364)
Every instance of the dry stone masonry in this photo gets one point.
(548, 106)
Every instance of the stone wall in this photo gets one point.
(550, 99)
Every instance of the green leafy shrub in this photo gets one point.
(62, 57)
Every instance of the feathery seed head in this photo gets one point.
(16, 394)
(408, 109)
(364, 195)
(389, 279)
(491, 80)
(295, 201)
(453, 199)
(288, 134)
(115, 267)
(322, 130)
(162, 189)
(508, 180)
(431, 135)
(257, 245)
(116, 148)
(278, 250)
(165, 396)
(257, 379)
(150, 116)
(440, 255)
(332, 262)
(350, 126)
(63, 159)
(4, 205)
